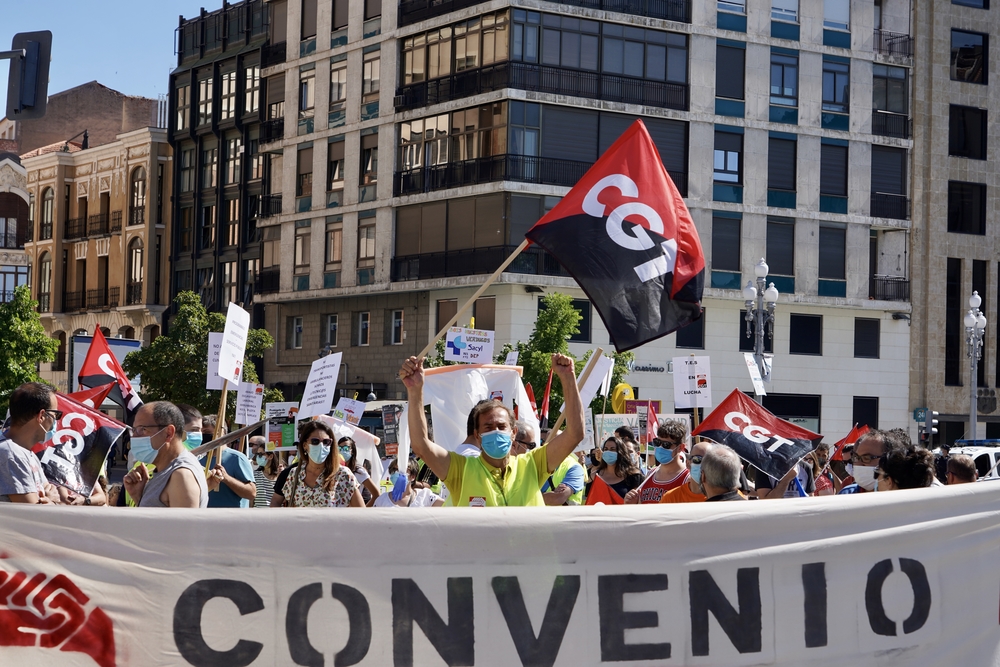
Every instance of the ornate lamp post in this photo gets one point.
(975, 328)
(760, 312)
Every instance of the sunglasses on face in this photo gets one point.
(320, 441)
(58, 414)
(696, 458)
(526, 444)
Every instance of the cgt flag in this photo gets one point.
(625, 235)
(101, 367)
(770, 444)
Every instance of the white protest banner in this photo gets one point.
(248, 402)
(281, 426)
(758, 382)
(692, 382)
(469, 346)
(349, 410)
(734, 586)
(511, 359)
(317, 399)
(213, 382)
(234, 344)
(602, 367)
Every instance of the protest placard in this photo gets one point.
(754, 370)
(390, 428)
(281, 426)
(692, 382)
(318, 396)
(469, 346)
(511, 359)
(248, 402)
(349, 410)
(234, 344)
(213, 382)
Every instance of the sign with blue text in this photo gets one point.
(469, 346)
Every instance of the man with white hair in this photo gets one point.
(720, 474)
(565, 485)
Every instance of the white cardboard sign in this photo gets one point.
(318, 396)
(234, 344)
(248, 402)
(758, 382)
(348, 410)
(511, 359)
(213, 382)
(469, 346)
(692, 382)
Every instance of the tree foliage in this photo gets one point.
(174, 368)
(23, 343)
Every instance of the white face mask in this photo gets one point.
(865, 477)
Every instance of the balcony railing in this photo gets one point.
(268, 281)
(534, 261)
(97, 224)
(272, 54)
(886, 205)
(137, 216)
(44, 302)
(889, 288)
(893, 44)
(889, 124)
(272, 130)
(412, 11)
(270, 205)
(116, 222)
(76, 228)
(6, 296)
(546, 79)
(74, 301)
(133, 294)
(97, 298)
(45, 231)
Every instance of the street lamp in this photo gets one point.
(760, 312)
(975, 328)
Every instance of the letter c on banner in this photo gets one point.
(187, 623)
(731, 421)
(880, 623)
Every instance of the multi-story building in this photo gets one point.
(14, 228)
(486, 113)
(96, 241)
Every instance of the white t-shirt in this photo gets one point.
(420, 498)
(466, 449)
(361, 475)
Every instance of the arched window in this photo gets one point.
(126, 332)
(44, 282)
(106, 331)
(48, 199)
(135, 271)
(137, 197)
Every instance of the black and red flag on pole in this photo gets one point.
(770, 444)
(101, 367)
(626, 236)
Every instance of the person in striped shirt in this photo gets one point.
(265, 470)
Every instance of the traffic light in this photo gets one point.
(930, 426)
(28, 83)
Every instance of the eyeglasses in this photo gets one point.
(147, 428)
(524, 443)
(696, 458)
(665, 443)
(57, 414)
(865, 459)
(320, 441)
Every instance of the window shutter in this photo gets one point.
(373, 8)
(276, 89)
(729, 72)
(889, 170)
(355, 329)
(833, 170)
(339, 14)
(387, 327)
(308, 19)
(569, 134)
(781, 164)
(832, 253)
(725, 244)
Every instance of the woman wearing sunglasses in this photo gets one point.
(320, 480)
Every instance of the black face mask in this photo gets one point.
(596, 460)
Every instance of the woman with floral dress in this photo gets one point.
(320, 480)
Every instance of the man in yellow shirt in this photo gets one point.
(495, 478)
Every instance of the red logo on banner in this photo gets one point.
(51, 612)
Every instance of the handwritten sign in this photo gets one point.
(248, 402)
(349, 410)
(692, 382)
(318, 397)
(511, 359)
(234, 344)
(469, 346)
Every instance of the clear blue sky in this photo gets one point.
(127, 45)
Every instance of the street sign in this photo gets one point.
(919, 414)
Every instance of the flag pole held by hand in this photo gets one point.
(219, 421)
(579, 384)
(472, 299)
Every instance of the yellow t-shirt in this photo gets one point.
(682, 494)
(473, 482)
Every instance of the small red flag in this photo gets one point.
(531, 396)
(652, 423)
(852, 437)
(543, 417)
(101, 367)
(92, 398)
(600, 492)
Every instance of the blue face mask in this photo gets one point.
(610, 458)
(496, 444)
(51, 433)
(192, 439)
(663, 455)
(319, 453)
(142, 448)
(696, 472)
(262, 461)
(345, 453)
(393, 478)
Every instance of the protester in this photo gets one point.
(265, 474)
(767, 489)
(208, 430)
(625, 434)
(617, 468)
(941, 463)
(904, 467)
(495, 478)
(869, 448)
(231, 467)
(33, 418)
(565, 485)
(277, 497)
(349, 453)
(720, 474)
(827, 483)
(320, 480)
(670, 471)
(179, 480)
(691, 492)
(412, 495)
(193, 423)
(961, 470)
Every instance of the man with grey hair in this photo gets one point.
(158, 438)
(565, 485)
(720, 474)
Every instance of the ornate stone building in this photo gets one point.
(14, 202)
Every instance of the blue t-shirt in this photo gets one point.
(574, 479)
(851, 488)
(237, 465)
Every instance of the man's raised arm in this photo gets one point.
(435, 456)
(564, 443)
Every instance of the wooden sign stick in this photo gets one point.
(579, 384)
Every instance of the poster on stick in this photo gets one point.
(469, 346)
(234, 344)
(348, 410)
(281, 426)
(213, 382)
(319, 393)
(248, 402)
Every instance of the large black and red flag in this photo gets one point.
(626, 236)
(101, 367)
(75, 456)
(770, 444)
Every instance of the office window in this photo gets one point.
(747, 342)
(728, 152)
(978, 4)
(833, 170)
(889, 170)
(784, 79)
(967, 208)
(204, 101)
(230, 283)
(256, 157)
(335, 166)
(234, 157)
(967, 132)
(969, 56)
(295, 328)
(738, 6)
(890, 89)
(955, 304)
(271, 247)
(209, 166)
(373, 9)
(362, 330)
(369, 159)
(338, 85)
(693, 335)
(865, 411)
(832, 252)
(206, 286)
(183, 108)
(866, 338)
(307, 92)
(729, 71)
(308, 19)
(330, 330)
(304, 172)
(785, 10)
(207, 235)
(446, 309)
(334, 245)
(780, 247)
(185, 231)
(370, 77)
(837, 14)
(805, 334)
(632, 51)
(836, 86)
(340, 11)
(302, 250)
(251, 101)
(726, 244)
(232, 222)
(781, 155)
(366, 246)
(394, 327)
(227, 95)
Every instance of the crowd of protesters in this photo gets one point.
(501, 462)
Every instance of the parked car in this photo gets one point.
(987, 459)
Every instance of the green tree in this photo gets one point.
(174, 368)
(24, 343)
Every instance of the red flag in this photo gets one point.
(543, 418)
(772, 445)
(626, 236)
(101, 367)
(652, 423)
(850, 439)
(93, 398)
(600, 492)
(531, 396)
